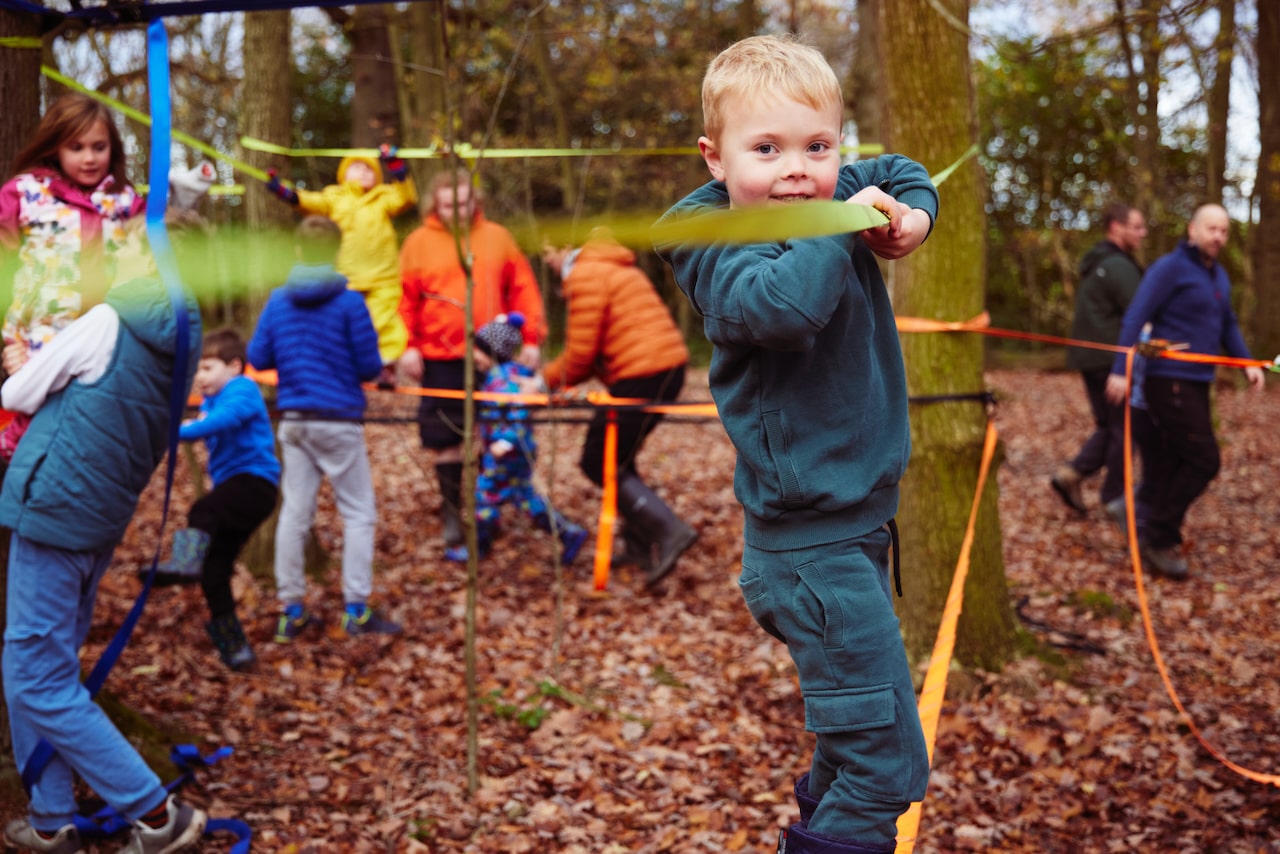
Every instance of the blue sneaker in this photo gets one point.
(292, 622)
(457, 554)
(571, 539)
(368, 623)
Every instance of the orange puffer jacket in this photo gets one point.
(435, 286)
(619, 328)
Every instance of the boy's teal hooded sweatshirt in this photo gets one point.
(806, 370)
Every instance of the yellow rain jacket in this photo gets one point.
(370, 253)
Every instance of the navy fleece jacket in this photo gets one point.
(1185, 301)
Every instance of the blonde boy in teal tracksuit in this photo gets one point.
(808, 377)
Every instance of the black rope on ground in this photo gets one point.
(1075, 641)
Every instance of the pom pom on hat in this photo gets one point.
(501, 337)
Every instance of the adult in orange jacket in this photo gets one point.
(620, 331)
(433, 304)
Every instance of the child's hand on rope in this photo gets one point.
(395, 167)
(906, 229)
(280, 191)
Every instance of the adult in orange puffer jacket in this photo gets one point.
(432, 306)
(620, 331)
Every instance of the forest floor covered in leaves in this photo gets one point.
(666, 721)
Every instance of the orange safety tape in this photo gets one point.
(608, 503)
(1144, 605)
(935, 680)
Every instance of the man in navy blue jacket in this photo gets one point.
(1186, 297)
(319, 338)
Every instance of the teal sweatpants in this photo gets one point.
(831, 605)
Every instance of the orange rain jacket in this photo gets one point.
(619, 328)
(435, 287)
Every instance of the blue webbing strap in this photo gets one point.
(158, 68)
(108, 822)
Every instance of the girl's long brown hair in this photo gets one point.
(69, 117)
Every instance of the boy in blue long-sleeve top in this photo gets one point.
(318, 337)
(807, 375)
(234, 425)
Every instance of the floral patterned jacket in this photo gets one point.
(65, 239)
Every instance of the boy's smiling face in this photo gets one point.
(775, 151)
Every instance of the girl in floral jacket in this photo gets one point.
(62, 220)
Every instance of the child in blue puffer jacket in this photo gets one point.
(318, 337)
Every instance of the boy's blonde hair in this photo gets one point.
(770, 65)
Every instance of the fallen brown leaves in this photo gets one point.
(669, 722)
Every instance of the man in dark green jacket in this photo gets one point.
(1109, 277)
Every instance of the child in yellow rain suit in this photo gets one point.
(363, 205)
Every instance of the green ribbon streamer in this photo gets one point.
(468, 152)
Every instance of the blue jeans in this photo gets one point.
(831, 605)
(49, 611)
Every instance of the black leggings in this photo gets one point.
(229, 514)
(633, 426)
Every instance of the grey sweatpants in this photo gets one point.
(311, 450)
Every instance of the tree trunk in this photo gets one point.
(375, 114)
(863, 91)
(930, 117)
(1223, 54)
(20, 83)
(425, 123)
(1148, 116)
(1265, 321)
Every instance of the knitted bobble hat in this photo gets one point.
(501, 337)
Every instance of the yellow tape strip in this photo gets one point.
(935, 680)
(23, 42)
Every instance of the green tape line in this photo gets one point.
(467, 152)
(22, 42)
(743, 225)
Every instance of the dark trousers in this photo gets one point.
(229, 514)
(633, 426)
(1105, 447)
(1180, 456)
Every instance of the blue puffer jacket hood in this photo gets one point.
(313, 284)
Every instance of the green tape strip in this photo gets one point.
(24, 42)
(743, 225)
(946, 173)
(467, 152)
(145, 120)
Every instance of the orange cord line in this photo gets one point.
(1144, 606)
(935, 680)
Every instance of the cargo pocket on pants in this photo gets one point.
(861, 729)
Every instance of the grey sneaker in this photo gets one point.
(369, 623)
(184, 828)
(1167, 562)
(20, 834)
(1066, 482)
(1117, 515)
